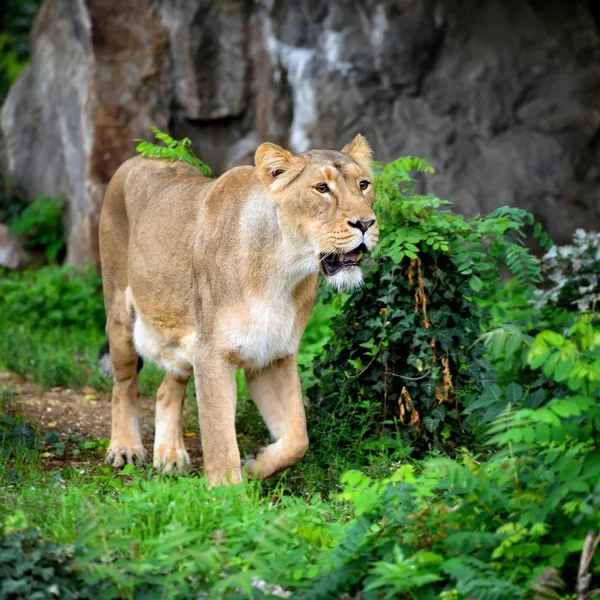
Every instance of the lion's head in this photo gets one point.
(326, 197)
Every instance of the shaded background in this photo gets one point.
(502, 96)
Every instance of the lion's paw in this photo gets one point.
(119, 454)
(171, 460)
(251, 465)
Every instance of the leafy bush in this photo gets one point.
(404, 350)
(574, 274)
(172, 150)
(317, 333)
(502, 527)
(53, 296)
(520, 319)
(34, 569)
(40, 224)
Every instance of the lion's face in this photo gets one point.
(325, 197)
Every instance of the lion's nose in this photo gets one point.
(362, 224)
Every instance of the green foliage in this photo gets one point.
(17, 438)
(496, 528)
(55, 356)
(52, 326)
(412, 225)
(573, 360)
(19, 446)
(52, 296)
(34, 569)
(573, 272)
(404, 353)
(504, 526)
(61, 356)
(563, 363)
(317, 334)
(522, 348)
(172, 150)
(17, 16)
(40, 224)
(186, 538)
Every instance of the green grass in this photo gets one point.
(61, 356)
(174, 537)
(133, 534)
(136, 535)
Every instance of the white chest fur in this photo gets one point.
(175, 356)
(261, 331)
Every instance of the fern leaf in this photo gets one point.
(172, 150)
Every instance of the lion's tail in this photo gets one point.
(104, 361)
(105, 365)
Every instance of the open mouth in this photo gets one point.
(332, 263)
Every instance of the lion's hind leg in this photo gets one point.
(126, 441)
(170, 454)
(277, 393)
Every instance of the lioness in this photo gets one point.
(205, 276)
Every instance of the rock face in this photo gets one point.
(97, 79)
(502, 96)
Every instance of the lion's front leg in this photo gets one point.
(278, 395)
(216, 395)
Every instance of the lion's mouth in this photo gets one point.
(331, 263)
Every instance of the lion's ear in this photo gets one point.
(360, 151)
(273, 162)
(273, 158)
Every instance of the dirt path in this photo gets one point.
(84, 413)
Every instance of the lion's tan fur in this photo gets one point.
(207, 276)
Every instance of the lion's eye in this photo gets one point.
(364, 184)
(322, 188)
(277, 172)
